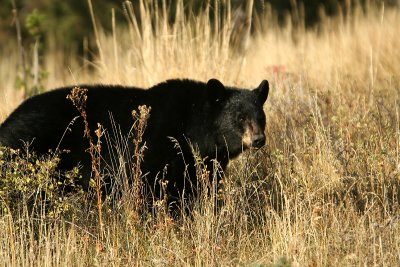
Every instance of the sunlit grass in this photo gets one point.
(323, 192)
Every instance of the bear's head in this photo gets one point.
(240, 122)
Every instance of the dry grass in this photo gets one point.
(323, 192)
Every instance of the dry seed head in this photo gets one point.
(99, 131)
(144, 112)
(78, 97)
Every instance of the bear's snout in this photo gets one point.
(253, 135)
(258, 140)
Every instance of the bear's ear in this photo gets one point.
(215, 90)
(262, 91)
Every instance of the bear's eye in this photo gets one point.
(241, 118)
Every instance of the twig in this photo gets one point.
(21, 50)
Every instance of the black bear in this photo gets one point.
(219, 121)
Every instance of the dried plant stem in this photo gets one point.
(116, 61)
(78, 97)
(139, 125)
(21, 51)
(96, 32)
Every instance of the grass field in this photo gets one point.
(325, 190)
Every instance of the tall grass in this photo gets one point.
(323, 192)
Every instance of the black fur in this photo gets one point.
(208, 115)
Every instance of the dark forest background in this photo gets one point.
(70, 22)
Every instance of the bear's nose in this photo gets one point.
(258, 140)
